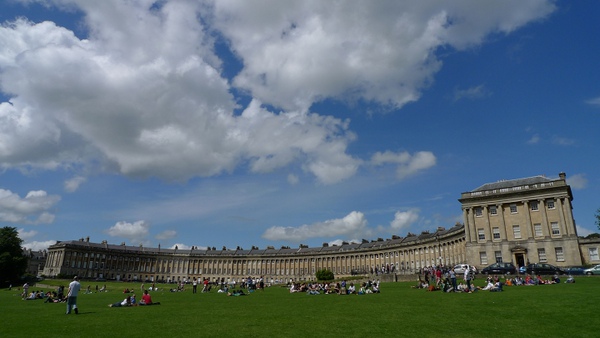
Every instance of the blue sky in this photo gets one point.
(240, 123)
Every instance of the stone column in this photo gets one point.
(545, 224)
(467, 226)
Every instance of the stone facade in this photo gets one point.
(381, 258)
(521, 221)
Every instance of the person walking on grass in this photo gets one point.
(74, 288)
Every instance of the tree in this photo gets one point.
(324, 274)
(13, 263)
(598, 218)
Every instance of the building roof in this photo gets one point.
(514, 183)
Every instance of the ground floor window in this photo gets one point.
(542, 255)
(483, 258)
(593, 254)
(560, 255)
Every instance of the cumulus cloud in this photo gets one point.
(297, 52)
(404, 219)
(26, 235)
(37, 246)
(407, 164)
(135, 232)
(353, 225)
(577, 181)
(35, 208)
(181, 246)
(164, 108)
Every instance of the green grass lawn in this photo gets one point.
(561, 310)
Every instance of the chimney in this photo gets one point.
(562, 175)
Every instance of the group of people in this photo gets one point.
(339, 288)
(440, 278)
(130, 300)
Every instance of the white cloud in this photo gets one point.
(581, 231)
(163, 108)
(33, 209)
(472, 93)
(594, 101)
(563, 141)
(37, 246)
(180, 246)
(26, 235)
(136, 232)
(407, 164)
(352, 225)
(73, 184)
(167, 234)
(535, 139)
(403, 219)
(577, 181)
(297, 52)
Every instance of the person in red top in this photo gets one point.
(147, 300)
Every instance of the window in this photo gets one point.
(542, 255)
(493, 210)
(538, 230)
(498, 255)
(594, 254)
(483, 258)
(513, 208)
(534, 205)
(555, 228)
(496, 232)
(560, 255)
(516, 231)
(480, 234)
(550, 204)
(478, 212)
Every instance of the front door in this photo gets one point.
(520, 259)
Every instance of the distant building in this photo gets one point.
(36, 261)
(521, 221)
(518, 221)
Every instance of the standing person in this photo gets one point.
(468, 276)
(25, 290)
(194, 285)
(452, 274)
(74, 288)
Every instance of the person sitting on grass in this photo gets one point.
(236, 293)
(147, 299)
(125, 302)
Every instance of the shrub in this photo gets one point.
(324, 275)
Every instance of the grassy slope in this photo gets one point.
(538, 311)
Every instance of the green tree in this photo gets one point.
(13, 263)
(324, 274)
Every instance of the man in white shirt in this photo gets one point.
(74, 287)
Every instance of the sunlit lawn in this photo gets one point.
(562, 310)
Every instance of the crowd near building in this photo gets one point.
(519, 221)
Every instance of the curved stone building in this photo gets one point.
(519, 221)
(395, 256)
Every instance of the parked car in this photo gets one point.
(595, 270)
(574, 270)
(460, 268)
(500, 268)
(544, 269)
